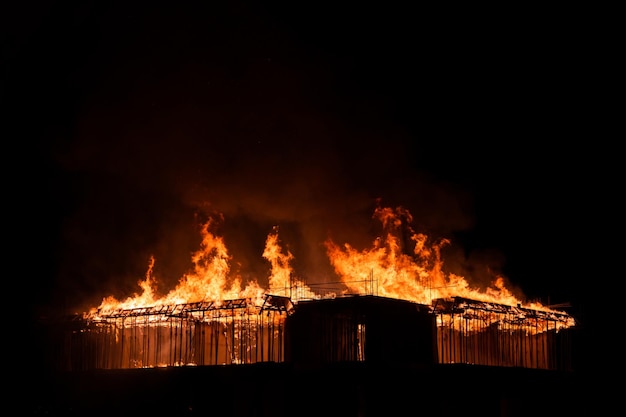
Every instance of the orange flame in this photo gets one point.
(390, 271)
(409, 269)
(282, 280)
(209, 280)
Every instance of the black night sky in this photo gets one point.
(131, 121)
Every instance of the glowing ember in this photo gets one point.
(409, 269)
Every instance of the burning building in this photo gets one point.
(202, 333)
(390, 307)
(358, 328)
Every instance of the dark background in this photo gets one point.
(127, 124)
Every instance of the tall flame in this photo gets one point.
(210, 279)
(391, 271)
(400, 264)
(282, 280)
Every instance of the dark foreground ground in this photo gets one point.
(270, 389)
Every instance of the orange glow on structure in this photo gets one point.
(409, 269)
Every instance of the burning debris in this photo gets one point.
(390, 302)
(486, 333)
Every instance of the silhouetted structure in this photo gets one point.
(311, 333)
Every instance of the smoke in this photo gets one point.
(248, 122)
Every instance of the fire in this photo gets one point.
(408, 268)
(210, 280)
(282, 281)
(415, 274)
